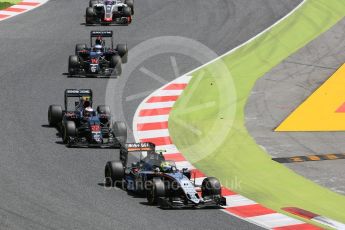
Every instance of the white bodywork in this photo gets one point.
(109, 9)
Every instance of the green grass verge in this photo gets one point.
(197, 122)
(7, 3)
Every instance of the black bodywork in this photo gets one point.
(170, 189)
(105, 63)
(78, 131)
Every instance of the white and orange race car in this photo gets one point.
(109, 12)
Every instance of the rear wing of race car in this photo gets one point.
(137, 147)
(104, 34)
(77, 93)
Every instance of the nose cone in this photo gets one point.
(98, 140)
(97, 137)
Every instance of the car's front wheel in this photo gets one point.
(123, 52)
(211, 187)
(89, 15)
(68, 131)
(115, 64)
(104, 110)
(130, 3)
(113, 173)
(73, 65)
(127, 11)
(155, 190)
(120, 132)
(92, 3)
(80, 47)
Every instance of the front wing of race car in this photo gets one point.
(106, 72)
(83, 143)
(121, 21)
(170, 202)
(192, 197)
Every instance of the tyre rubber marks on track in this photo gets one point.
(20, 8)
(151, 124)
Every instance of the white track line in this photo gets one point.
(156, 105)
(275, 220)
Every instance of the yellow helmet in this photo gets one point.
(86, 98)
(166, 166)
(86, 101)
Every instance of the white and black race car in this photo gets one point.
(142, 169)
(109, 12)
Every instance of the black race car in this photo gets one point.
(142, 170)
(98, 60)
(80, 126)
(109, 12)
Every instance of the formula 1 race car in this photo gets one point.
(98, 60)
(159, 179)
(109, 12)
(80, 126)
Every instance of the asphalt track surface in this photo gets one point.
(282, 90)
(45, 185)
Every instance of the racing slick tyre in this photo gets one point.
(92, 3)
(211, 187)
(114, 173)
(68, 130)
(123, 52)
(103, 109)
(155, 190)
(130, 3)
(120, 132)
(89, 15)
(54, 115)
(79, 47)
(115, 64)
(127, 11)
(73, 64)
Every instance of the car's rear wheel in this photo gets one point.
(54, 115)
(73, 64)
(79, 47)
(120, 132)
(114, 173)
(115, 64)
(123, 52)
(89, 15)
(155, 190)
(68, 131)
(211, 187)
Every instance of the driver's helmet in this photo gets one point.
(87, 112)
(109, 2)
(98, 48)
(85, 101)
(166, 166)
